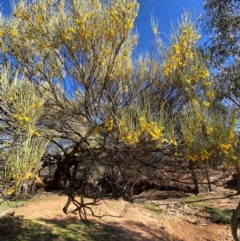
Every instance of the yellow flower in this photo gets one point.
(198, 36)
(188, 81)
(173, 142)
(40, 18)
(14, 32)
(26, 118)
(204, 155)
(235, 121)
(140, 119)
(1, 33)
(111, 32)
(71, 30)
(89, 15)
(195, 102)
(231, 135)
(66, 37)
(28, 175)
(225, 147)
(18, 117)
(5, 144)
(11, 192)
(37, 178)
(109, 123)
(128, 137)
(209, 130)
(176, 48)
(191, 55)
(155, 31)
(233, 157)
(190, 158)
(164, 140)
(37, 134)
(21, 123)
(79, 21)
(208, 83)
(204, 74)
(210, 94)
(206, 104)
(142, 124)
(153, 135)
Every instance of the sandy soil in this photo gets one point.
(151, 217)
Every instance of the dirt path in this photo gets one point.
(163, 220)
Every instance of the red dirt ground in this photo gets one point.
(178, 219)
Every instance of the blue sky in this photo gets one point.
(164, 12)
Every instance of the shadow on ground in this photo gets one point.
(18, 229)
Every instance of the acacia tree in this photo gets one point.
(73, 51)
(106, 112)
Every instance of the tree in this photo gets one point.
(114, 119)
(221, 22)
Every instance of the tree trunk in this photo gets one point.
(64, 166)
(206, 165)
(235, 221)
(60, 172)
(238, 181)
(194, 177)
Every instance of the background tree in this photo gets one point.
(221, 23)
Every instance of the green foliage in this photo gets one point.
(221, 23)
(16, 228)
(152, 207)
(194, 201)
(219, 215)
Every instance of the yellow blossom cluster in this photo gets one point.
(18, 178)
(183, 65)
(207, 134)
(203, 155)
(144, 130)
(25, 104)
(97, 34)
(131, 137)
(152, 128)
(21, 118)
(21, 13)
(109, 123)
(182, 52)
(127, 130)
(225, 147)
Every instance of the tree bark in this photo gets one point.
(194, 177)
(238, 181)
(235, 221)
(60, 172)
